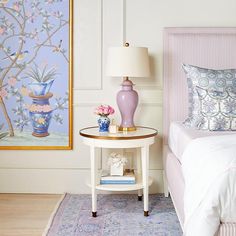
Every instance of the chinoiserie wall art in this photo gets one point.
(36, 74)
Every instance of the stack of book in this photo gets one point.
(127, 178)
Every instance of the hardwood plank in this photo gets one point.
(25, 214)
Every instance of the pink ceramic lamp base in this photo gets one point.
(127, 101)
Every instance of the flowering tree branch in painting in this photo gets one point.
(21, 28)
(21, 22)
(61, 105)
(2, 134)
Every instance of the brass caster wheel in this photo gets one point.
(146, 213)
(94, 214)
(140, 198)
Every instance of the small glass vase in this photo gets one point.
(103, 123)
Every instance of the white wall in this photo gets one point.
(99, 24)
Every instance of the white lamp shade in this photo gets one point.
(128, 62)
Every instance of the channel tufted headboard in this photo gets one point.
(205, 47)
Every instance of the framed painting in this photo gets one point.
(36, 74)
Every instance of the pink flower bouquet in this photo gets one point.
(104, 110)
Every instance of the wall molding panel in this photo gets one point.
(88, 55)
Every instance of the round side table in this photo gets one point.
(142, 138)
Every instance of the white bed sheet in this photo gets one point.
(180, 136)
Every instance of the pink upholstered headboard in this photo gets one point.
(205, 47)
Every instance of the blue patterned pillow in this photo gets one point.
(209, 79)
(217, 110)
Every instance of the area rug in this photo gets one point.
(117, 215)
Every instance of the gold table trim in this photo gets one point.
(118, 138)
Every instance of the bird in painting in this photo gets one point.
(20, 56)
(58, 48)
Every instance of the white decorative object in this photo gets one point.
(116, 163)
(113, 128)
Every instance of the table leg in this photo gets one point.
(139, 172)
(145, 175)
(93, 180)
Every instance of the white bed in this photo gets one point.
(206, 47)
(180, 136)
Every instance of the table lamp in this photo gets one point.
(127, 62)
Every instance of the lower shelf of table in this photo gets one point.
(123, 187)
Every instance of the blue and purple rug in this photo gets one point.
(117, 215)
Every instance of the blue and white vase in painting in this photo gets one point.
(103, 123)
(41, 89)
(40, 113)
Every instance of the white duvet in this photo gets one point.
(209, 169)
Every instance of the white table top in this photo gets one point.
(140, 133)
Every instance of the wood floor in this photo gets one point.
(25, 214)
